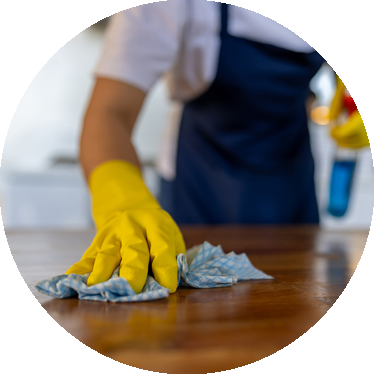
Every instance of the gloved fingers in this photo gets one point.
(161, 240)
(86, 263)
(337, 102)
(356, 142)
(341, 134)
(107, 260)
(352, 142)
(352, 134)
(84, 266)
(358, 130)
(348, 142)
(135, 255)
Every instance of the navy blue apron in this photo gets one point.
(243, 151)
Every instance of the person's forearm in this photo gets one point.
(108, 124)
(105, 137)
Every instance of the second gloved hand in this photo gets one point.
(133, 231)
(352, 133)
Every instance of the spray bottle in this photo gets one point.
(343, 169)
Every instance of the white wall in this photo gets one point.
(47, 125)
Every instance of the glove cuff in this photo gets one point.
(117, 186)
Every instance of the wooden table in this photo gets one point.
(208, 330)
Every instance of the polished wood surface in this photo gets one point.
(204, 330)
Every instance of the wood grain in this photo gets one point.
(208, 330)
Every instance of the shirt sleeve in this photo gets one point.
(354, 36)
(142, 43)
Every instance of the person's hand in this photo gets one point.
(133, 231)
(349, 134)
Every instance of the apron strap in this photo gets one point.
(224, 17)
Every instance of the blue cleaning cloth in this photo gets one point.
(209, 267)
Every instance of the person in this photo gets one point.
(239, 147)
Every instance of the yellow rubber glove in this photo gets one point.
(132, 231)
(349, 134)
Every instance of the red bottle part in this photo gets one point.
(352, 103)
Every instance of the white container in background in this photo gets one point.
(54, 199)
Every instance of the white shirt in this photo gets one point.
(179, 39)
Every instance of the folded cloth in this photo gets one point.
(209, 267)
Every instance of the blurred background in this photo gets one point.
(42, 186)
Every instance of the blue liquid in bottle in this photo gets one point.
(340, 186)
(344, 165)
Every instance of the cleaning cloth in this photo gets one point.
(208, 267)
